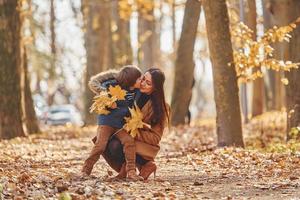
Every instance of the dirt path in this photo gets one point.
(40, 167)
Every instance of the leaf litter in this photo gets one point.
(190, 166)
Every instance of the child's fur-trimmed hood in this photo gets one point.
(96, 80)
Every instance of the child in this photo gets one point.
(128, 79)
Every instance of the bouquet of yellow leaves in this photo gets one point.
(107, 99)
(135, 121)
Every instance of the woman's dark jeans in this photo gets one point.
(114, 149)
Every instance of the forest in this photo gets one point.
(215, 111)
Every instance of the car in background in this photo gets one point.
(63, 115)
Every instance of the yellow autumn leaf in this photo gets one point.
(117, 92)
(135, 121)
(285, 81)
(102, 102)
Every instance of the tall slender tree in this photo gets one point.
(276, 91)
(97, 43)
(122, 50)
(258, 84)
(270, 89)
(285, 12)
(52, 68)
(30, 122)
(173, 8)
(10, 69)
(243, 87)
(29, 115)
(229, 129)
(53, 33)
(147, 36)
(184, 65)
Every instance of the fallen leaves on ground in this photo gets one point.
(189, 167)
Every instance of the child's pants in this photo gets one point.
(128, 149)
(103, 134)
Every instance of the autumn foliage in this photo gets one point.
(253, 57)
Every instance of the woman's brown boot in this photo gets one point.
(132, 176)
(148, 169)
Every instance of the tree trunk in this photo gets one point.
(52, 69)
(10, 69)
(276, 90)
(258, 84)
(229, 128)
(53, 33)
(98, 45)
(243, 87)
(122, 50)
(158, 30)
(270, 83)
(285, 12)
(184, 65)
(174, 24)
(146, 36)
(29, 116)
(279, 87)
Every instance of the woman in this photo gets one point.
(155, 113)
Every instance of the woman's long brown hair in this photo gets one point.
(160, 110)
